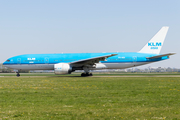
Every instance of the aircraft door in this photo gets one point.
(134, 58)
(46, 60)
(19, 61)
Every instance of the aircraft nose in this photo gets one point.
(6, 62)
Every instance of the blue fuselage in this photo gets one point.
(47, 61)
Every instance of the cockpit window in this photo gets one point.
(7, 60)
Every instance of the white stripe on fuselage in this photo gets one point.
(51, 66)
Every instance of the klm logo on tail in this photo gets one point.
(154, 45)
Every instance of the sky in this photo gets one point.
(85, 26)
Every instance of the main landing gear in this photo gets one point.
(17, 74)
(86, 74)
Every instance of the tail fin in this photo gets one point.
(155, 44)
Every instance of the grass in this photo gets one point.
(82, 98)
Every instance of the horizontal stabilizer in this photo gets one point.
(159, 56)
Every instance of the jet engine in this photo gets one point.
(62, 68)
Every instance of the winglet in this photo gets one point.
(155, 44)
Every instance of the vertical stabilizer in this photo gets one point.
(155, 44)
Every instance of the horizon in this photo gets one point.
(39, 27)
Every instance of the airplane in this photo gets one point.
(65, 63)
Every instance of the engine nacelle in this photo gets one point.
(62, 68)
(99, 66)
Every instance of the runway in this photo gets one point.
(99, 76)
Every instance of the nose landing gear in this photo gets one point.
(17, 74)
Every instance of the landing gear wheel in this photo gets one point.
(83, 74)
(17, 74)
(86, 74)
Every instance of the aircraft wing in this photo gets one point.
(91, 61)
(159, 56)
